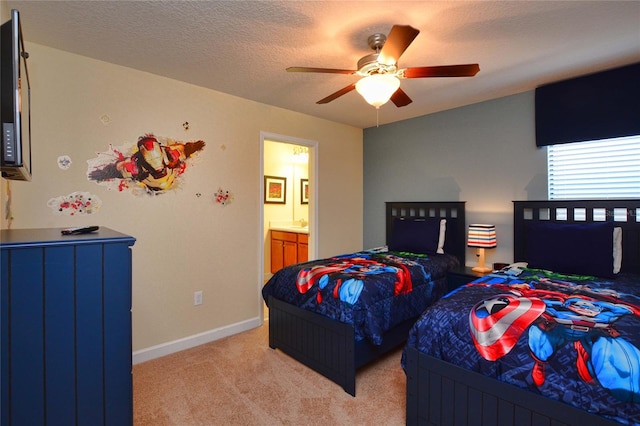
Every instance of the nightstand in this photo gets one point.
(462, 275)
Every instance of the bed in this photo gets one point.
(543, 364)
(314, 322)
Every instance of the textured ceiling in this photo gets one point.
(243, 47)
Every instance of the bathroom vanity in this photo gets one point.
(289, 245)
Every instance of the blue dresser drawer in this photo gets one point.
(65, 320)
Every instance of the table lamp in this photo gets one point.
(482, 236)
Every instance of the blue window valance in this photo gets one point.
(603, 105)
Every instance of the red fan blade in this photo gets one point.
(397, 42)
(337, 94)
(324, 70)
(467, 70)
(400, 98)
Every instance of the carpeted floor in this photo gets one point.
(239, 380)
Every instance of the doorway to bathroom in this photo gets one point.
(288, 199)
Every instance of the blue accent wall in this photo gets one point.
(484, 154)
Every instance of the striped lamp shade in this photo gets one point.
(482, 236)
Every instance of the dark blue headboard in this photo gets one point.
(623, 213)
(453, 211)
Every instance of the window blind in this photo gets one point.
(607, 168)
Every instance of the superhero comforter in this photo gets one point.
(573, 339)
(373, 290)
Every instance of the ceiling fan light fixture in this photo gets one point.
(377, 89)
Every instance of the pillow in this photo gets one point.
(581, 249)
(418, 235)
(617, 249)
(443, 231)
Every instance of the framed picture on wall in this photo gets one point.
(275, 190)
(304, 191)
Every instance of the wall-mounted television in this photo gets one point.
(15, 105)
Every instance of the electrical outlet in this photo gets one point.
(197, 298)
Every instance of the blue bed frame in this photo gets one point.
(328, 346)
(440, 393)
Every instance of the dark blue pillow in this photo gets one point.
(580, 249)
(415, 235)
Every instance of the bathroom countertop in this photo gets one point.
(290, 228)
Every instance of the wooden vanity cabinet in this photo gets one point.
(284, 249)
(303, 247)
(288, 248)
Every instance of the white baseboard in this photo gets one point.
(192, 341)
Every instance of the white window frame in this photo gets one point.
(599, 169)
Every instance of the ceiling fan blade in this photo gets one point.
(400, 98)
(466, 70)
(397, 42)
(337, 94)
(323, 70)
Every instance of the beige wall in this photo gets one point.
(4, 11)
(184, 242)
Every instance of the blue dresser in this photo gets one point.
(65, 319)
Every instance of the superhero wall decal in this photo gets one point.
(75, 204)
(153, 165)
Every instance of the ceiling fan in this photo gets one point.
(380, 72)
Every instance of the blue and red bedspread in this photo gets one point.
(373, 290)
(573, 339)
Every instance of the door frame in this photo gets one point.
(313, 202)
